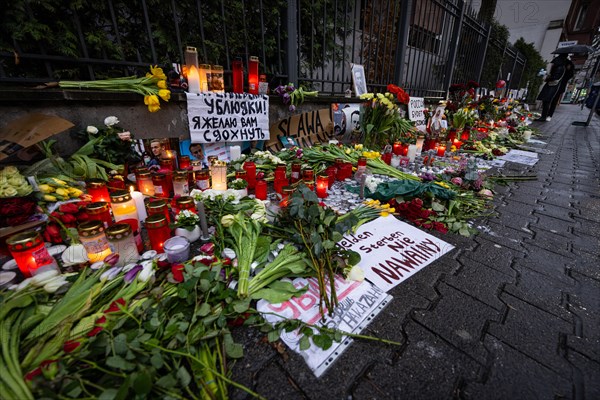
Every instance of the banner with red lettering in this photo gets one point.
(392, 251)
(359, 303)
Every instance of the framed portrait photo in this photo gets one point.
(359, 79)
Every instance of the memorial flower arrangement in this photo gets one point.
(292, 96)
(238, 184)
(153, 86)
(187, 220)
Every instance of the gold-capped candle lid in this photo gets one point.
(118, 231)
(184, 200)
(90, 228)
(24, 241)
(97, 207)
(156, 204)
(120, 196)
(95, 183)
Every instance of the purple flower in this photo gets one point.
(286, 98)
(132, 273)
(292, 108)
(112, 259)
(457, 181)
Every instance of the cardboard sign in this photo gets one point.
(392, 251)
(227, 117)
(29, 130)
(359, 302)
(416, 108)
(306, 129)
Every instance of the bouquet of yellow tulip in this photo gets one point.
(152, 86)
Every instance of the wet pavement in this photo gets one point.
(513, 312)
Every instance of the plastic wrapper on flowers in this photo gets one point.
(388, 190)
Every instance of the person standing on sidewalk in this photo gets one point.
(556, 82)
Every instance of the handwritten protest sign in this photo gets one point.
(359, 302)
(392, 251)
(306, 129)
(227, 117)
(416, 108)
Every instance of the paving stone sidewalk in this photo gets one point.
(511, 313)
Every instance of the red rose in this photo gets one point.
(68, 219)
(115, 306)
(33, 373)
(82, 217)
(70, 346)
(69, 208)
(98, 327)
(177, 271)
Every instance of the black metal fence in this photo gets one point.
(421, 45)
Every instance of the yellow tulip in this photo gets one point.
(384, 214)
(156, 73)
(153, 108)
(161, 84)
(62, 192)
(48, 197)
(46, 188)
(164, 94)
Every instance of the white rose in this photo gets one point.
(91, 129)
(110, 121)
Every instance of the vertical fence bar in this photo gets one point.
(149, 32)
(455, 40)
(116, 28)
(177, 34)
(225, 41)
(343, 79)
(485, 48)
(292, 41)
(262, 34)
(82, 44)
(324, 45)
(201, 26)
(245, 26)
(402, 43)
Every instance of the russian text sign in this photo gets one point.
(416, 112)
(392, 251)
(358, 303)
(227, 117)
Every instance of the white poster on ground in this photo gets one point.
(520, 157)
(392, 251)
(227, 117)
(359, 303)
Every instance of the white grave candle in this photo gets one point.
(193, 80)
(138, 197)
(412, 152)
(419, 145)
(235, 152)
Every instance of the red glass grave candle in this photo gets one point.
(30, 253)
(161, 186)
(404, 150)
(184, 203)
(397, 148)
(184, 162)
(202, 179)
(250, 169)
(296, 171)
(158, 207)
(157, 226)
(322, 186)
(285, 196)
(261, 189)
(387, 158)
(451, 135)
(465, 135)
(309, 183)
(237, 68)
(253, 75)
(100, 211)
(98, 190)
(441, 150)
(331, 171)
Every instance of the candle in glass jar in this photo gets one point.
(237, 75)
(296, 171)
(138, 198)
(261, 189)
(177, 249)
(97, 189)
(235, 152)
(193, 78)
(286, 192)
(181, 184)
(161, 186)
(125, 211)
(184, 203)
(158, 231)
(420, 141)
(30, 253)
(144, 182)
(309, 183)
(100, 211)
(158, 207)
(204, 76)
(250, 168)
(412, 152)
(331, 171)
(121, 241)
(322, 186)
(397, 148)
(253, 75)
(217, 84)
(202, 178)
(184, 162)
(441, 150)
(219, 176)
(93, 239)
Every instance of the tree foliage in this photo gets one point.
(534, 62)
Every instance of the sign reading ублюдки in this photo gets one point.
(227, 117)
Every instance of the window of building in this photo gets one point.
(424, 39)
(579, 22)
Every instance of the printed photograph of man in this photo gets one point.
(197, 152)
